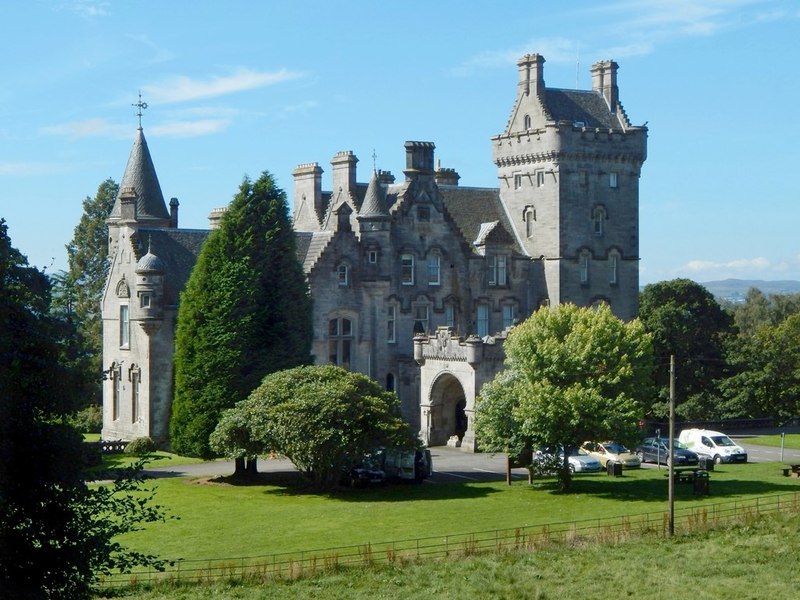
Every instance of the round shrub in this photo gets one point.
(140, 446)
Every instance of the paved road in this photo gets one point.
(449, 464)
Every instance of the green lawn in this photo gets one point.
(791, 441)
(218, 520)
(757, 558)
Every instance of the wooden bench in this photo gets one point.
(793, 470)
(683, 475)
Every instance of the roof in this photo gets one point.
(588, 107)
(471, 207)
(140, 174)
(177, 249)
(374, 204)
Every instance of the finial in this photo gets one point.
(141, 106)
(149, 243)
(374, 159)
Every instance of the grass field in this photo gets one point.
(756, 558)
(791, 441)
(216, 519)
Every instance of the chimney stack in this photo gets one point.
(531, 75)
(604, 80)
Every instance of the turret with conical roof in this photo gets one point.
(140, 176)
(374, 206)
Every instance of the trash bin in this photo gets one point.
(706, 463)
(614, 468)
(701, 479)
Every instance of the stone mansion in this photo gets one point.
(414, 278)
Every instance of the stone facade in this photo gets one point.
(389, 260)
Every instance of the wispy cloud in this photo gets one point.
(88, 8)
(741, 268)
(30, 168)
(738, 264)
(157, 54)
(86, 128)
(637, 27)
(184, 129)
(183, 89)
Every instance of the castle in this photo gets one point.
(387, 261)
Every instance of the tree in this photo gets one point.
(322, 418)
(767, 382)
(56, 535)
(245, 313)
(686, 321)
(572, 374)
(78, 292)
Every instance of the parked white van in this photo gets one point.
(714, 445)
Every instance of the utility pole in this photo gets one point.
(671, 466)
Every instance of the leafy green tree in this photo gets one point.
(572, 374)
(77, 293)
(322, 418)
(759, 310)
(56, 534)
(686, 321)
(767, 383)
(245, 313)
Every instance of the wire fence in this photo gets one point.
(294, 565)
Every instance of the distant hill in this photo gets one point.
(735, 290)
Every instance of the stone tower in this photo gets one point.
(568, 165)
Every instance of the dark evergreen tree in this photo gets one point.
(55, 533)
(686, 321)
(245, 313)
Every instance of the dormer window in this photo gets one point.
(342, 276)
(497, 267)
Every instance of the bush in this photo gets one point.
(88, 420)
(140, 446)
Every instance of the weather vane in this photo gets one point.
(374, 159)
(140, 106)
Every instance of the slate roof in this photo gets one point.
(374, 204)
(177, 249)
(580, 105)
(140, 174)
(469, 208)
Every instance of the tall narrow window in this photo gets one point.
(135, 376)
(612, 180)
(407, 269)
(539, 178)
(390, 382)
(508, 315)
(483, 320)
(116, 389)
(420, 318)
(526, 122)
(497, 269)
(372, 256)
(340, 340)
(391, 323)
(613, 268)
(598, 217)
(342, 275)
(530, 218)
(583, 267)
(124, 327)
(450, 315)
(517, 181)
(434, 269)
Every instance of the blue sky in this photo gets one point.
(239, 87)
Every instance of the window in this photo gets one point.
(420, 318)
(340, 339)
(450, 315)
(612, 180)
(372, 256)
(483, 320)
(530, 217)
(539, 178)
(342, 275)
(508, 315)
(135, 376)
(144, 300)
(391, 323)
(517, 181)
(390, 382)
(423, 213)
(116, 389)
(124, 327)
(497, 269)
(434, 269)
(407, 269)
(583, 267)
(526, 121)
(613, 268)
(598, 217)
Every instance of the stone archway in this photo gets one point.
(446, 416)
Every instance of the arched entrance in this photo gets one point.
(448, 414)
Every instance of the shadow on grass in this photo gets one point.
(292, 483)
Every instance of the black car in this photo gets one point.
(657, 450)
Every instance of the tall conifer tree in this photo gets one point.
(245, 313)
